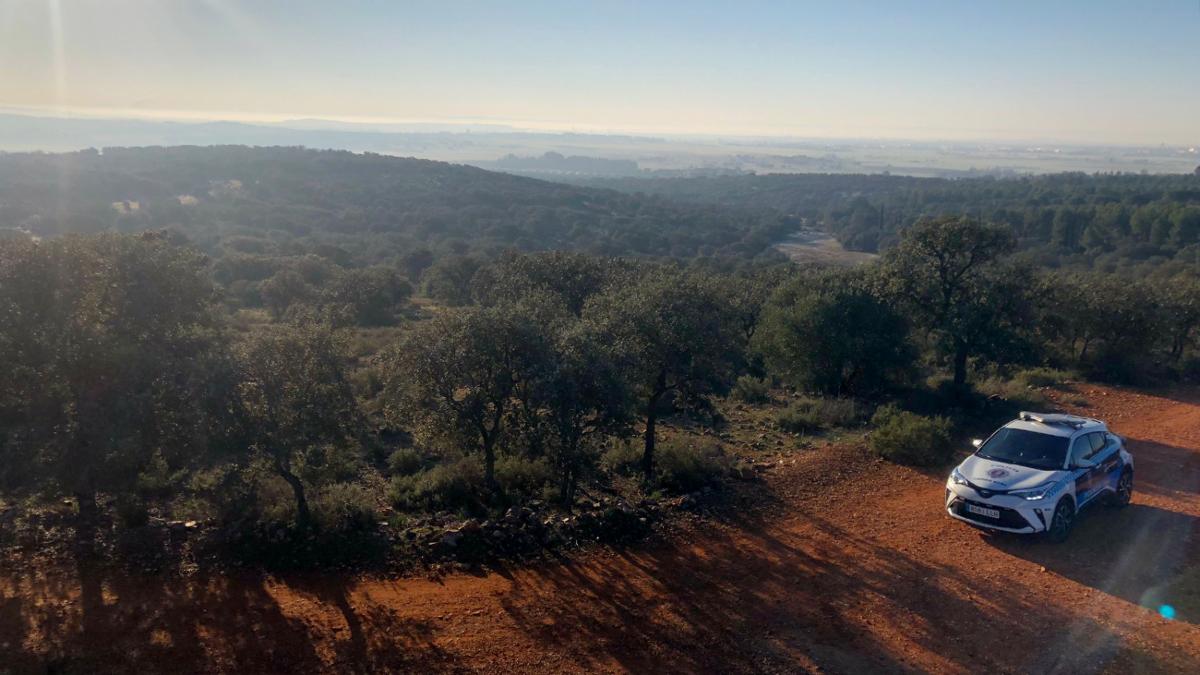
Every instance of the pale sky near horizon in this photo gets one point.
(1098, 71)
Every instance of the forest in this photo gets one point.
(1124, 223)
(238, 201)
(291, 350)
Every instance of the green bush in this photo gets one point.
(1014, 391)
(275, 503)
(344, 507)
(366, 382)
(520, 476)
(907, 438)
(451, 486)
(750, 389)
(405, 462)
(687, 465)
(811, 414)
(156, 478)
(1041, 377)
(622, 457)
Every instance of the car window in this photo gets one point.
(1025, 448)
(1098, 442)
(1081, 448)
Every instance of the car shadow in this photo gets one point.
(1137, 553)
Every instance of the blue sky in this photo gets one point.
(1126, 72)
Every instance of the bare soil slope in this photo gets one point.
(853, 568)
(820, 248)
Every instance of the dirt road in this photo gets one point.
(852, 569)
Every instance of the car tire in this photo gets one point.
(1062, 521)
(1120, 498)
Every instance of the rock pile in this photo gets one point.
(528, 529)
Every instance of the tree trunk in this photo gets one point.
(960, 364)
(489, 465)
(567, 489)
(303, 515)
(648, 452)
(567, 474)
(85, 500)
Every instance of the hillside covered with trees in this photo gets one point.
(279, 223)
(322, 355)
(1110, 222)
(338, 430)
(238, 200)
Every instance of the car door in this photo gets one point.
(1108, 461)
(1081, 447)
(1093, 448)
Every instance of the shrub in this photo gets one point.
(275, 502)
(622, 457)
(1189, 369)
(451, 486)
(688, 465)
(520, 476)
(1014, 391)
(224, 493)
(366, 382)
(344, 507)
(405, 462)
(749, 389)
(156, 479)
(1041, 377)
(907, 438)
(344, 528)
(131, 511)
(811, 414)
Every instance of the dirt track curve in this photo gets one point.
(854, 569)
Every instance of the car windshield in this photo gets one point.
(1026, 448)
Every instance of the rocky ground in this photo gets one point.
(830, 561)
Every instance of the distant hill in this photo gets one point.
(371, 208)
(554, 163)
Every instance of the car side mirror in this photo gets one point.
(977, 442)
(1084, 463)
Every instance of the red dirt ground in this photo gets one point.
(853, 569)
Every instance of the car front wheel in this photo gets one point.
(1062, 522)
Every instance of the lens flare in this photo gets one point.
(59, 51)
(1166, 611)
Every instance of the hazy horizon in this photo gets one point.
(462, 125)
(1101, 73)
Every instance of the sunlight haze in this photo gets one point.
(1102, 72)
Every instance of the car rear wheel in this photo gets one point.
(1062, 522)
(1124, 491)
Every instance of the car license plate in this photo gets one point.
(990, 513)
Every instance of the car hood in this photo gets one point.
(993, 475)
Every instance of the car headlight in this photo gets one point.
(1031, 494)
(958, 479)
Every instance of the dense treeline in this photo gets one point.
(1108, 222)
(251, 205)
(285, 226)
(128, 379)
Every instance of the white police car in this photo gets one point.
(1036, 472)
